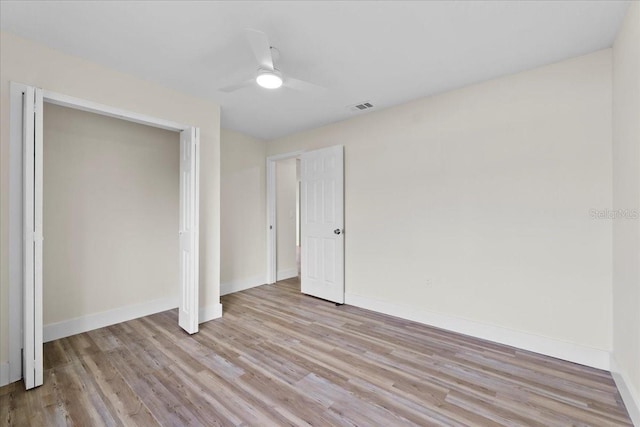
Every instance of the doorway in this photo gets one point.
(26, 217)
(110, 215)
(321, 221)
(287, 241)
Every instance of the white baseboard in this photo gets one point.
(4, 373)
(287, 274)
(209, 312)
(630, 395)
(241, 285)
(79, 325)
(548, 346)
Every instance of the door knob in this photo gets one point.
(337, 231)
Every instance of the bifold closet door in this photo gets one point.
(189, 230)
(32, 222)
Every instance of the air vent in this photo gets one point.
(367, 105)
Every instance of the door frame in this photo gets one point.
(272, 251)
(16, 227)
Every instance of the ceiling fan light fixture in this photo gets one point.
(269, 79)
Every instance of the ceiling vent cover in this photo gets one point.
(362, 106)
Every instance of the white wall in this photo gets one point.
(111, 203)
(32, 63)
(243, 212)
(474, 206)
(286, 183)
(626, 196)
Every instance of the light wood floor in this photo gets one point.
(278, 357)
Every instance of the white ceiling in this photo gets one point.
(384, 52)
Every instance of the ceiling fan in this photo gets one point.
(267, 75)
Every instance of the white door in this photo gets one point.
(32, 368)
(189, 252)
(322, 223)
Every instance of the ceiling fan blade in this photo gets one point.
(261, 48)
(303, 86)
(236, 86)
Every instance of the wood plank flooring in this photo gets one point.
(278, 358)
